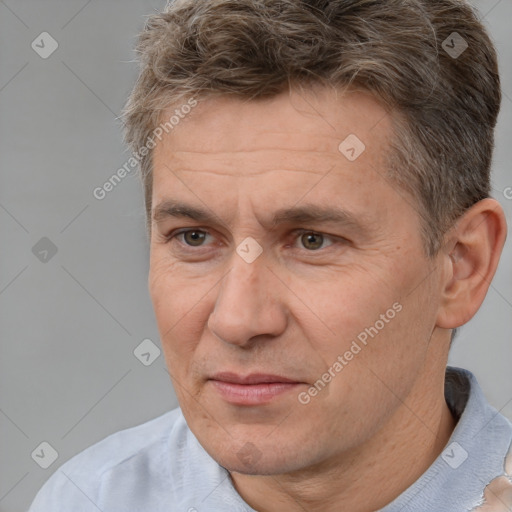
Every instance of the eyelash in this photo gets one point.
(296, 233)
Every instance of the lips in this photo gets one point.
(254, 378)
(254, 389)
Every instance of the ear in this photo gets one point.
(470, 257)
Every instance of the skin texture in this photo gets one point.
(380, 421)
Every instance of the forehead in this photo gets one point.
(309, 124)
(232, 154)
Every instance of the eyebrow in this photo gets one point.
(308, 213)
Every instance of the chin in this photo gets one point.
(260, 467)
(250, 458)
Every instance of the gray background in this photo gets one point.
(68, 375)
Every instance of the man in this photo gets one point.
(317, 188)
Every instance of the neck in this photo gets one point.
(372, 475)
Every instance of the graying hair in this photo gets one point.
(444, 107)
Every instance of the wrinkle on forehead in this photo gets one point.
(244, 164)
(316, 121)
(290, 156)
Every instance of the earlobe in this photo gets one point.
(470, 258)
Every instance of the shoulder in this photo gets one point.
(125, 444)
(78, 483)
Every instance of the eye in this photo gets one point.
(191, 237)
(311, 240)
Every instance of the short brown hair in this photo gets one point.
(444, 106)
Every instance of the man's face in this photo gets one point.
(356, 290)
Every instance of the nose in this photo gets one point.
(249, 304)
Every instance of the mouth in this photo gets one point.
(254, 389)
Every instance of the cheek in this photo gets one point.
(372, 323)
(173, 292)
(381, 360)
(176, 303)
(344, 308)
